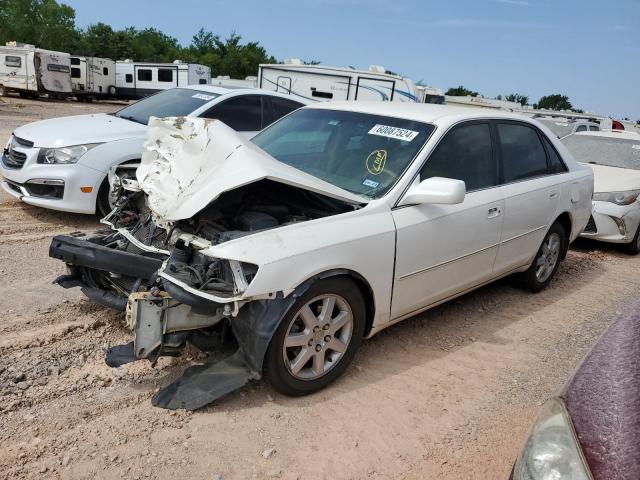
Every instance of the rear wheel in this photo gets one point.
(633, 248)
(317, 340)
(547, 260)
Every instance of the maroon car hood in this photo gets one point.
(603, 400)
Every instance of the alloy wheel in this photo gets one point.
(548, 258)
(318, 336)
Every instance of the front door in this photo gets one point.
(443, 250)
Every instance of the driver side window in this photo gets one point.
(465, 153)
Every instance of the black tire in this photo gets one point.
(276, 372)
(633, 248)
(111, 90)
(102, 201)
(530, 279)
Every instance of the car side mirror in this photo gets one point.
(436, 190)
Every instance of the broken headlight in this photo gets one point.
(619, 198)
(552, 450)
(64, 155)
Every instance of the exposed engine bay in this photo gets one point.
(161, 271)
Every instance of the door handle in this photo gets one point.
(493, 212)
(553, 194)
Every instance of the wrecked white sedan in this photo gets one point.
(334, 223)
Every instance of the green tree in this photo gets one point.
(44, 23)
(516, 97)
(460, 91)
(554, 102)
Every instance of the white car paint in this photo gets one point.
(118, 140)
(612, 223)
(412, 256)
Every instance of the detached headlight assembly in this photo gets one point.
(64, 155)
(552, 451)
(619, 198)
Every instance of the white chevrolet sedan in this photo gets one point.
(63, 163)
(330, 225)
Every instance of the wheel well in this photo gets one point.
(365, 290)
(565, 221)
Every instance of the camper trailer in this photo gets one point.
(33, 71)
(93, 77)
(320, 83)
(137, 80)
(226, 81)
(428, 94)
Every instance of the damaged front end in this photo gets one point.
(199, 187)
(113, 262)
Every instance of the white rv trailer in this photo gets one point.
(33, 71)
(138, 79)
(317, 82)
(93, 77)
(428, 94)
(226, 81)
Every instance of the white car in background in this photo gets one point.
(614, 157)
(63, 163)
(330, 225)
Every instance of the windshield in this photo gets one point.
(175, 102)
(362, 153)
(613, 152)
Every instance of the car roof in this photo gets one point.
(241, 90)
(420, 112)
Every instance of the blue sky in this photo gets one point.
(587, 49)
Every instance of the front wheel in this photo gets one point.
(633, 248)
(547, 260)
(317, 340)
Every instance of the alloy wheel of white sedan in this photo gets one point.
(318, 336)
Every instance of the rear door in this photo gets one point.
(443, 250)
(532, 182)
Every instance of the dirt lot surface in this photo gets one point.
(448, 394)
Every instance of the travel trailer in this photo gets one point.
(320, 83)
(33, 71)
(137, 80)
(93, 77)
(428, 94)
(226, 81)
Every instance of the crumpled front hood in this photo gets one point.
(80, 129)
(189, 162)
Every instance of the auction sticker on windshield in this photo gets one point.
(394, 132)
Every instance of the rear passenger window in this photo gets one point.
(243, 113)
(556, 165)
(282, 107)
(593, 128)
(466, 154)
(522, 153)
(144, 75)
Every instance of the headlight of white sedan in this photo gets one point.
(64, 155)
(552, 451)
(619, 198)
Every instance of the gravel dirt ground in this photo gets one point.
(449, 394)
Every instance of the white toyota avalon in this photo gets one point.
(332, 224)
(62, 163)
